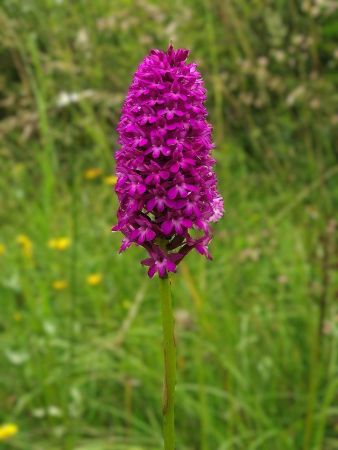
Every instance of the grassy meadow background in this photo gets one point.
(80, 331)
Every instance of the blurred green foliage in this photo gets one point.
(80, 334)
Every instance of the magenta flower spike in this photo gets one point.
(166, 185)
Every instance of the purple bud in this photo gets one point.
(166, 185)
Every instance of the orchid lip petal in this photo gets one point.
(175, 167)
(134, 234)
(150, 235)
(149, 179)
(167, 227)
(151, 203)
(172, 193)
(171, 266)
(161, 205)
(141, 189)
(161, 270)
(187, 223)
(141, 238)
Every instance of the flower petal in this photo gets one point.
(167, 227)
(150, 235)
(171, 267)
(147, 262)
(151, 203)
(152, 271)
(172, 193)
(187, 223)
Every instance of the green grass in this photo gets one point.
(81, 367)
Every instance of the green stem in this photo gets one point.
(169, 348)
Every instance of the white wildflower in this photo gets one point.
(17, 358)
(54, 411)
(82, 38)
(67, 98)
(295, 95)
(39, 413)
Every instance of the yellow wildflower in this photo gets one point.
(111, 180)
(17, 317)
(94, 279)
(7, 431)
(91, 174)
(2, 249)
(26, 245)
(59, 285)
(61, 243)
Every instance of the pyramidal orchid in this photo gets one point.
(166, 185)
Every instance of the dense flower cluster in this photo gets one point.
(166, 185)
